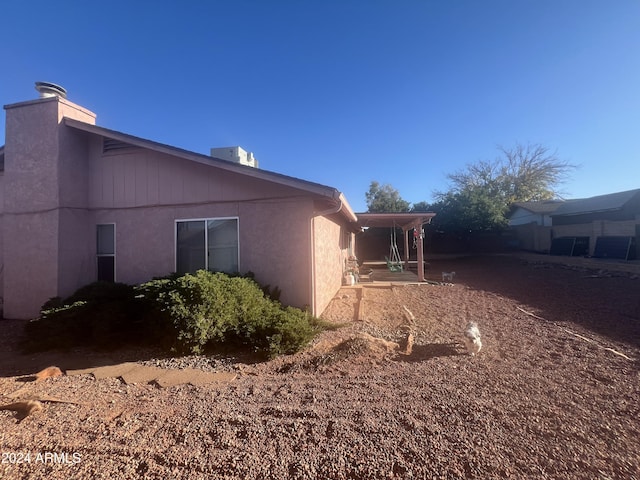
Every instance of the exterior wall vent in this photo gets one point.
(109, 145)
(47, 90)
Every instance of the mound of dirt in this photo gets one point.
(365, 344)
(342, 351)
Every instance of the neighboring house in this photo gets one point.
(80, 203)
(531, 224)
(523, 213)
(603, 223)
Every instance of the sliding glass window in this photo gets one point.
(207, 244)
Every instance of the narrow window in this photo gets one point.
(106, 252)
(207, 244)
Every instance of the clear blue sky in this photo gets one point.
(343, 92)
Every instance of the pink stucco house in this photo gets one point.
(80, 203)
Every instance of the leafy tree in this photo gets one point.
(472, 209)
(421, 207)
(385, 198)
(480, 195)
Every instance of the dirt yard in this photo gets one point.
(554, 392)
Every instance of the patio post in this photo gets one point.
(406, 248)
(418, 226)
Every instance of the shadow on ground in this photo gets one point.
(421, 353)
(14, 362)
(602, 301)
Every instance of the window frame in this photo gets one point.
(102, 255)
(206, 237)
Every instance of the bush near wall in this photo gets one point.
(185, 314)
(206, 308)
(101, 314)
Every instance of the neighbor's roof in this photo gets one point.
(600, 203)
(329, 193)
(540, 207)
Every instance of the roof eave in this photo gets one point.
(347, 211)
(405, 220)
(585, 212)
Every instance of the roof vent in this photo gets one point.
(235, 155)
(47, 90)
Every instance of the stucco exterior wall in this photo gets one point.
(31, 158)
(275, 244)
(76, 250)
(30, 262)
(273, 239)
(1, 240)
(36, 244)
(330, 254)
(76, 237)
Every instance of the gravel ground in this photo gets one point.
(554, 392)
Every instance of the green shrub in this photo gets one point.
(101, 314)
(185, 313)
(279, 331)
(208, 308)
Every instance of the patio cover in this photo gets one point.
(405, 221)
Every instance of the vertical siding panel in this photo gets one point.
(140, 194)
(164, 182)
(177, 181)
(214, 190)
(202, 185)
(152, 180)
(130, 180)
(108, 189)
(196, 178)
(118, 182)
(96, 194)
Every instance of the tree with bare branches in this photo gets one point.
(480, 195)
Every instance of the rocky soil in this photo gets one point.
(554, 392)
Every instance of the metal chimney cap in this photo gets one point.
(47, 89)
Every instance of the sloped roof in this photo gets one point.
(600, 203)
(541, 207)
(329, 193)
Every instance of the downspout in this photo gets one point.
(330, 211)
(322, 213)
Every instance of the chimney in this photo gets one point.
(45, 190)
(47, 90)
